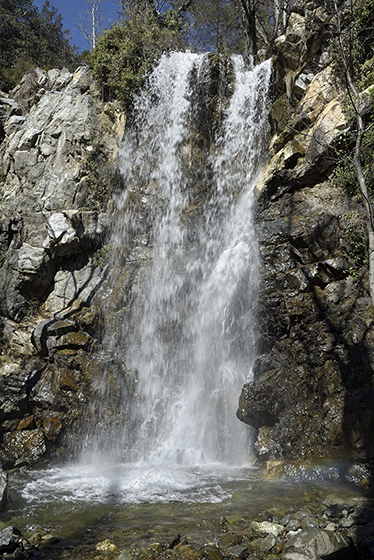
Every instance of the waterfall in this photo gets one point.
(181, 298)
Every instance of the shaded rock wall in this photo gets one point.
(312, 396)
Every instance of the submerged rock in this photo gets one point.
(9, 539)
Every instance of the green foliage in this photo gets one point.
(101, 256)
(31, 37)
(357, 28)
(344, 172)
(103, 176)
(357, 243)
(128, 51)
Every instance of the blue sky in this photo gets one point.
(70, 9)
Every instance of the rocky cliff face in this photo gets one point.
(58, 139)
(312, 396)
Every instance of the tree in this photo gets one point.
(30, 37)
(127, 52)
(214, 25)
(142, 8)
(248, 13)
(352, 61)
(90, 22)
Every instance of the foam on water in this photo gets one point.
(189, 338)
(129, 484)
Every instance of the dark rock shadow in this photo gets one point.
(313, 392)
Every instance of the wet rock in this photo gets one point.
(229, 539)
(211, 552)
(3, 488)
(278, 548)
(106, 546)
(155, 548)
(52, 425)
(338, 510)
(175, 541)
(314, 544)
(301, 520)
(27, 423)
(237, 552)
(35, 539)
(25, 446)
(9, 538)
(64, 331)
(264, 544)
(125, 555)
(265, 528)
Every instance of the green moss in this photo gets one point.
(101, 256)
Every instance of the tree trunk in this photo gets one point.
(248, 12)
(356, 104)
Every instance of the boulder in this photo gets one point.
(25, 446)
(9, 539)
(265, 528)
(314, 544)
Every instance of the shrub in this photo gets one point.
(127, 52)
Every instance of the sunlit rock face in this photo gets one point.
(3, 489)
(52, 127)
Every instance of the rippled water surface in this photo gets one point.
(135, 506)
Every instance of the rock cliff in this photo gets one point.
(312, 396)
(57, 169)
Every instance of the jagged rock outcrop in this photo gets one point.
(56, 136)
(313, 393)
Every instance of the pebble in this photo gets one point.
(106, 546)
(250, 540)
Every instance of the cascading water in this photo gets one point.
(180, 298)
(190, 332)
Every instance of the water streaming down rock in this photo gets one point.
(186, 264)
